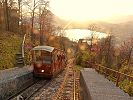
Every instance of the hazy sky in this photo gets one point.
(91, 9)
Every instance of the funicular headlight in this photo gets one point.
(42, 71)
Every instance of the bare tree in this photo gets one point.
(33, 6)
(42, 18)
(106, 51)
(126, 49)
(9, 15)
(45, 23)
(62, 44)
(6, 14)
(20, 10)
(93, 35)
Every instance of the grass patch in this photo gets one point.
(9, 45)
(111, 78)
(127, 86)
(78, 67)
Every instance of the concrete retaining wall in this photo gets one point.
(96, 87)
(84, 91)
(13, 84)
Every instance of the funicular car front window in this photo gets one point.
(47, 57)
(43, 57)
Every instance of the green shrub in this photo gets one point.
(78, 67)
(111, 78)
(83, 57)
(127, 86)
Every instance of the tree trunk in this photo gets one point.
(6, 12)
(41, 33)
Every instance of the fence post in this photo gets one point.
(117, 80)
(99, 68)
(105, 70)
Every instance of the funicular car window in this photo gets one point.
(55, 56)
(47, 57)
(38, 56)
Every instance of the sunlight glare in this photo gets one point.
(90, 9)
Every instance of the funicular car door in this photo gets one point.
(47, 61)
(37, 63)
(54, 54)
(56, 61)
(60, 60)
(63, 60)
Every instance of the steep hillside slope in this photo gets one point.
(9, 46)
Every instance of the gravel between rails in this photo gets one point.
(70, 87)
(47, 91)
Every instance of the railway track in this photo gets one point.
(69, 88)
(46, 92)
(29, 91)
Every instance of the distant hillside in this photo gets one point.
(122, 30)
(120, 19)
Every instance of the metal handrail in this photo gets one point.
(74, 87)
(23, 45)
(119, 74)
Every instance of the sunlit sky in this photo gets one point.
(91, 9)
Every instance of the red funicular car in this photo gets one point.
(47, 61)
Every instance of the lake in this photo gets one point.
(76, 34)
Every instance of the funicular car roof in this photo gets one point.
(45, 48)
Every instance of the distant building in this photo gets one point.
(82, 44)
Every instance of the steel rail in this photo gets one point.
(20, 91)
(29, 96)
(74, 87)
